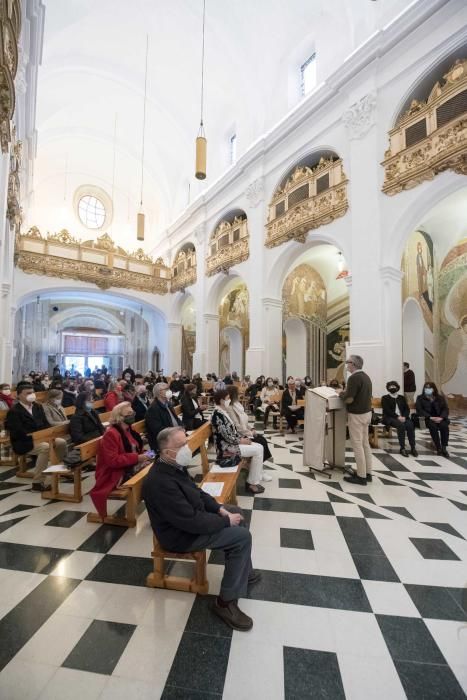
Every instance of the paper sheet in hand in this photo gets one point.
(55, 468)
(216, 469)
(214, 489)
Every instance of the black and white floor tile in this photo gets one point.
(363, 593)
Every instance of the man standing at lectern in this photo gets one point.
(357, 397)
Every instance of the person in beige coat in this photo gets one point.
(53, 408)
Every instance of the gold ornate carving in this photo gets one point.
(431, 136)
(229, 245)
(75, 260)
(183, 269)
(10, 14)
(294, 210)
(14, 212)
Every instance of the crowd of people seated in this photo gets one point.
(183, 517)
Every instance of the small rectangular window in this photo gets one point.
(308, 74)
(233, 149)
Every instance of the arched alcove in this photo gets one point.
(313, 192)
(295, 347)
(413, 340)
(231, 351)
(228, 244)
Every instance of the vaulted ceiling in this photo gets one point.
(92, 79)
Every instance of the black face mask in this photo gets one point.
(393, 389)
(129, 420)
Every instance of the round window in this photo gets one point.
(91, 212)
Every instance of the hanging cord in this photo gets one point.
(202, 68)
(114, 158)
(144, 118)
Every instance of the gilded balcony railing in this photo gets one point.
(183, 270)
(100, 262)
(228, 246)
(310, 198)
(431, 136)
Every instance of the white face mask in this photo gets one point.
(31, 398)
(168, 394)
(6, 392)
(183, 456)
(226, 402)
(57, 402)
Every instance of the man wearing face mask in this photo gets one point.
(140, 402)
(160, 414)
(396, 414)
(25, 417)
(185, 519)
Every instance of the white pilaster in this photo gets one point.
(272, 315)
(174, 359)
(211, 335)
(391, 279)
(254, 359)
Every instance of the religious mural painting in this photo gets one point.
(452, 290)
(336, 343)
(419, 283)
(304, 297)
(188, 319)
(233, 319)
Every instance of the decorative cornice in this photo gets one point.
(255, 192)
(273, 303)
(360, 117)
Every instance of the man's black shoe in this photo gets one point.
(369, 478)
(254, 577)
(404, 452)
(233, 616)
(414, 452)
(445, 453)
(355, 479)
(39, 487)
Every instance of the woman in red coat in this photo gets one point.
(119, 456)
(114, 396)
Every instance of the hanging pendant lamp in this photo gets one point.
(140, 219)
(201, 142)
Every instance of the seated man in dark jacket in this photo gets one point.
(185, 519)
(85, 423)
(192, 415)
(396, 414)
(160, 414)
(25, 417)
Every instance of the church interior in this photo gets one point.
(233, 232)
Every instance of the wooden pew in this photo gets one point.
(198, 583)
(197, 440)
(130, 491)
(49, 435)
(300, 402)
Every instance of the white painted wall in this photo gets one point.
(413, 340)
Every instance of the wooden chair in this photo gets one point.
(380, 430)
(198, 583)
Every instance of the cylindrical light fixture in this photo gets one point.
(201, 142)
(201, 152)
(140, 226)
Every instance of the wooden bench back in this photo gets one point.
(2, 418)
(375, 402)
(199, 436)
(69, 411)
(98, 404)
(50, 433)
(178, 410)
(88, 449)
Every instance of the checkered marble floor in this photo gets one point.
(362, 596)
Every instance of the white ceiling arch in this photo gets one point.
(93, 69)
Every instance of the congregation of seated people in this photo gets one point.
(182, 516)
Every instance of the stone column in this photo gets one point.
(199, 356)
(174, 359)
(272, 316)
(211, 337)
(366, 297)
(391, 279)
(254, 360)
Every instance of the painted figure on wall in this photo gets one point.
(304, 294)
(418, 269)
(453, 322)
(233, 313)
(336, 341)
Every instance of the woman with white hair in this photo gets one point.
(119, 456)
